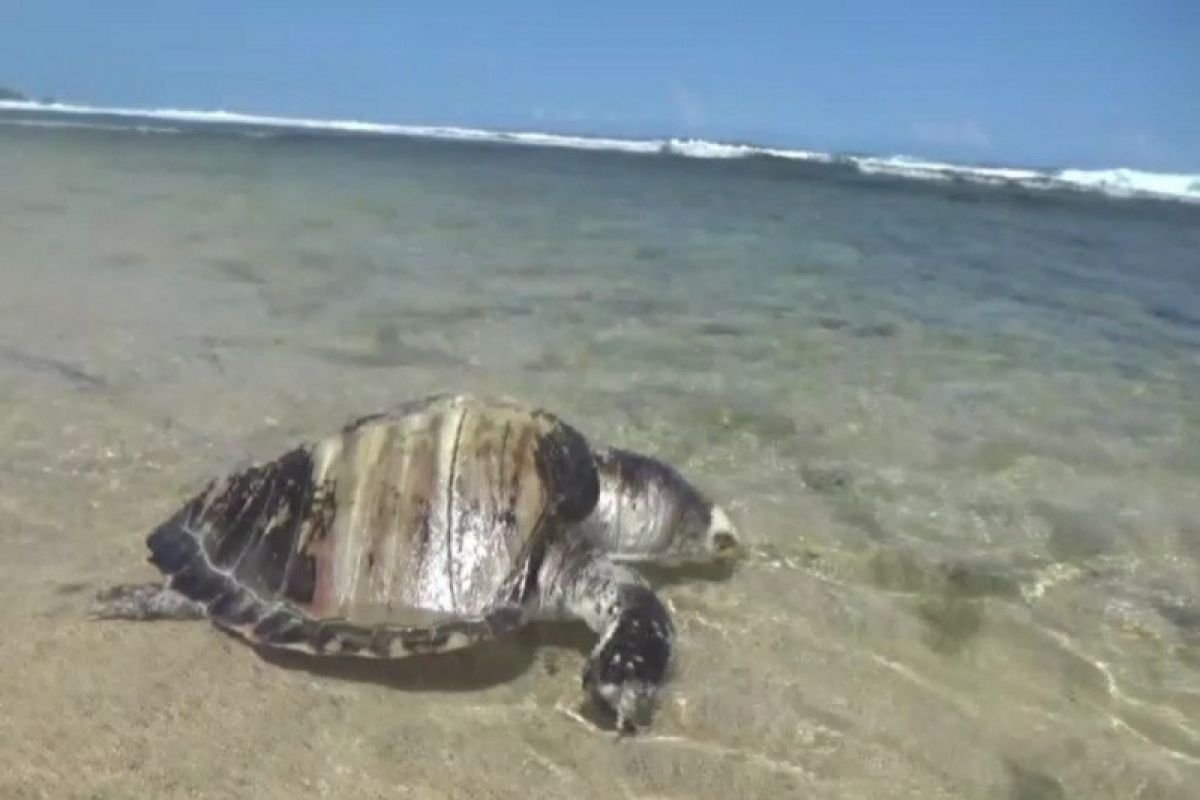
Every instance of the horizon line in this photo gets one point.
(1114, 181)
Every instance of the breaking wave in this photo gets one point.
(1120, 182)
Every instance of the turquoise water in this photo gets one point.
(957, 424)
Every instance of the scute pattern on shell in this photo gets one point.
(443, 506)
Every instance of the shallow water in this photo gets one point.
(957, 425)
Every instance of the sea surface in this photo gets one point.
(957, 422)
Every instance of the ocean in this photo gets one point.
(954, 412)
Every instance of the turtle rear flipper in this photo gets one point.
(194, 579)
(145, 601)
(285, 627)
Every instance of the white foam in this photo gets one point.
(699, 148)
(1120, 182)
(450, 132)
(1132, 181)
(916, 168)
(91, 126)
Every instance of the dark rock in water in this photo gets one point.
(44, 206)
(944, 584)
(996, 454)
(853, 513)
(548, 361)
(237, 269)
(954, 613)
(388, 350)
(900, 571)
(832, 323)
(7, 93)
(825, 480)
(967, 580)
(636, 306)
(950, 622)
(760, 421)
(123, 259)
(1188, 536)
(1077, 535)
(720, 329)
(1029, 784)
(649, 252)
(387, 338)
(314, 259)
(77, 376)
(774, 307)
(1174, 315)
(1189, 655)
(1184, 617)
(881, 330)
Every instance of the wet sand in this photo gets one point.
(973, 554)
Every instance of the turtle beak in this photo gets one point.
(722, 537)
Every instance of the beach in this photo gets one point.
(957, 424)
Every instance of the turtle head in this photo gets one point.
(647, 511)
(721, 537)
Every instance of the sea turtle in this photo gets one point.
(484, 511)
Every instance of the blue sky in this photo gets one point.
(1077, 82)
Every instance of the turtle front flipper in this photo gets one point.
(628, 665)
(145, 601)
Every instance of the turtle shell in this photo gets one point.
(444, 505)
